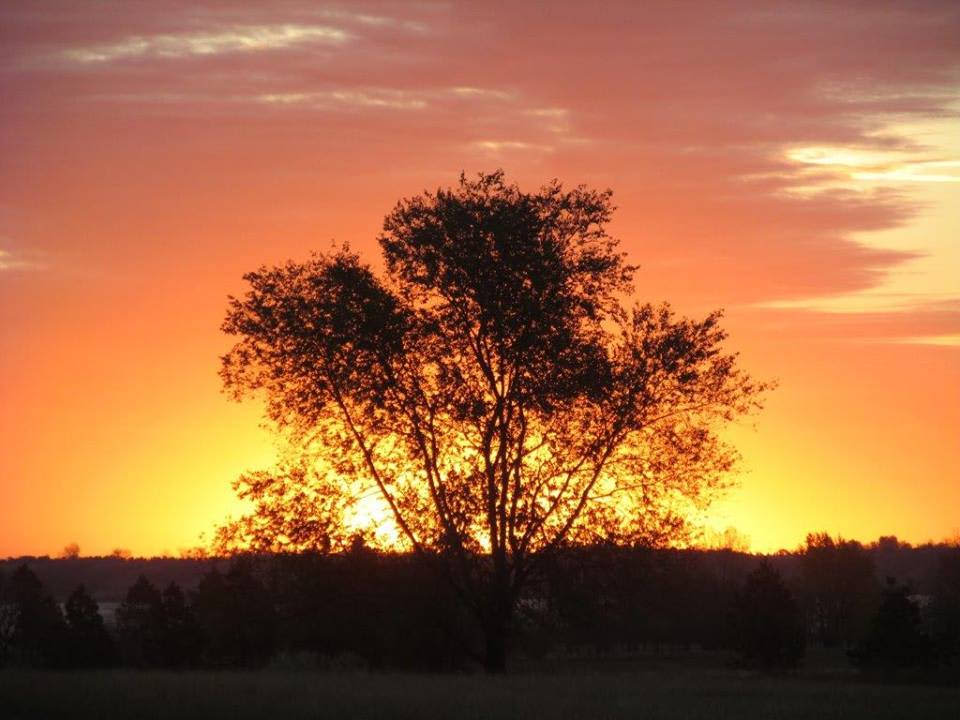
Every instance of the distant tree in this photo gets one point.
(121, 553)
(945, 605)
(9, 614)
(141, 625)
(70, 552)
(181, 642)
(839, 588)
(33, 625)
(767, 624)
(896, 639)
(89, 645)
(730, 539)
(194, 553)
(492, 392)
(236, 617)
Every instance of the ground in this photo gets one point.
(664, 691)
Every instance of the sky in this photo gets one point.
(795, 163)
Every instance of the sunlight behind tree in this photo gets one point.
(492, 388)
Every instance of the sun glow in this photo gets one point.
(370, 516)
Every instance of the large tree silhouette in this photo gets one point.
(490, 388)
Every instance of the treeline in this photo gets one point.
(833, 593)
(374, 610)
(107, 578)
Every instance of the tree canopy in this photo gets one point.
(490, 388)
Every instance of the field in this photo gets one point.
(625, 693)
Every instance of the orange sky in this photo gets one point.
(796, 163)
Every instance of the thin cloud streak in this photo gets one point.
(937, 340)
(237, 39)
(368, 98)
(10, 261)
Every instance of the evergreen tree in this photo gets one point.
(8, 623)
(88, 642)
(236, 617)
(945, 608)
(768, 626)
(33, 622)
(140, 625)
(181, 640)
(896, 639)
(839, 588)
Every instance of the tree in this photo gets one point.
(236, 617)
(31, 623)
(89, 644)
(896, 639)
(9, 615)
(491, 390)
(839, 588)
(945, 607)
(141, 625)
(768, 627)
(181, 638)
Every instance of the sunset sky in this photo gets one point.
(796, 163)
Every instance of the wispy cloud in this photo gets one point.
(551, 112)
(235, 39)
(913, 172)
(867, 301)
(365, 98)
(372, 20)
(501, 145)
(939, 340)
(12, 261)
(856, 163)
(465, 91)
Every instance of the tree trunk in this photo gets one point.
(495, 660)
(496, 625)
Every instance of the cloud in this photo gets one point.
(912, 172)
(500, 146)
(214, 42)
(852, 163)
(11, 261)
(760, 156)
(484, 93)
(548, 112)
(907, 320)
(938, 340)
(347, 97)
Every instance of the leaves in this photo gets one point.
(491, 389)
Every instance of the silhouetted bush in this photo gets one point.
(767, 624)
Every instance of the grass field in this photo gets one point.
(670, 693)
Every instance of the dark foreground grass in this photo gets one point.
(711, 695)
